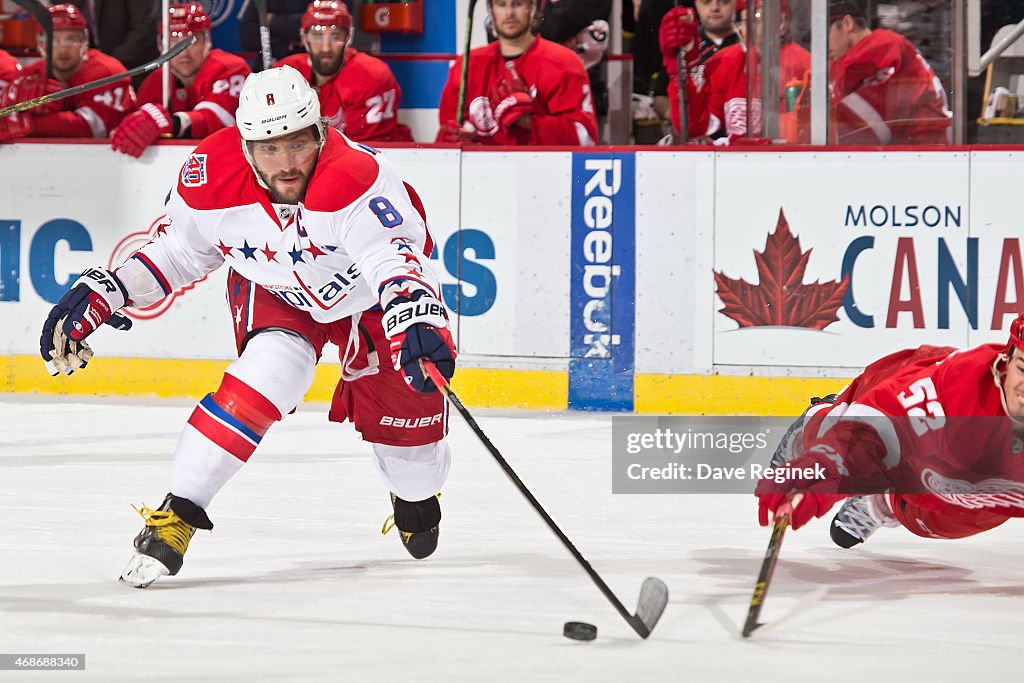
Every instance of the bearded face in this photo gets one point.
(326, 49)
(512, 19)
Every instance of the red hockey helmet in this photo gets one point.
(326, 14)
(1016, 334)
(783, 5)
(188, 19)
(66, 18)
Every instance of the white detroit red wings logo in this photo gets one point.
(482, 116)
(131, 243)
(988, 493)
(337, 120)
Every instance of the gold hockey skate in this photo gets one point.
(418, 524)
(161, 545)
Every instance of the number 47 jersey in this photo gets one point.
(929, 420)
(358, 228)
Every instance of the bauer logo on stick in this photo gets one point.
(193, 173)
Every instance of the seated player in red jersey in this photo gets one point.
(930, 438)
(680, 30)
(521, 89)
(204, 84)
(358, 93)
(90, 114)
(345, 259)
(727, 77)
(883, 90)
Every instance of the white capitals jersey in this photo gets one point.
(358, 228)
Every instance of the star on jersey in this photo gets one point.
(296, 255)
(402, 244)
(250, 252)
(224, 249)
(314, 251)
(269, 253)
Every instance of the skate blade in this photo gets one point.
(143, 570)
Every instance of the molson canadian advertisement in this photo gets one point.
(834, 259)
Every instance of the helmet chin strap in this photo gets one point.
(997, 377)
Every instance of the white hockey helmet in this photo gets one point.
(277, 102)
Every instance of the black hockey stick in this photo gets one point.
(653, 593)
(764, 578)
(41, 14)
(261, 15)
(93, 85)
(460, 117)
(771, 557)
(683, 133)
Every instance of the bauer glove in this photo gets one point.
(93, 299)
(417, 325)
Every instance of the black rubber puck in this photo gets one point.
(579, 630)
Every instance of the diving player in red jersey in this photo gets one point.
(324, 242)
(933, 439)
(358, 93)
(204, 85)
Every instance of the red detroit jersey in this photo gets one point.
(212, 98)
(9, 68)
(927, 420)
(884, 92)
(91, 114)
(361, 100)
(726, 88)
(563, 110)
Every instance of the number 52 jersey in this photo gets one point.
(358, 228)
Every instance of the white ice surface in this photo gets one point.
(297, 584)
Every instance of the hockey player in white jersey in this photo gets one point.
(324, 243)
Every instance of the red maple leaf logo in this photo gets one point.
(781, 298)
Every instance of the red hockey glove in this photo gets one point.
(140, 129)
(816, 474)
(452, 132)
(678, 31)
(29, 88)
(417, 325)
(511, 99)
(13, 126)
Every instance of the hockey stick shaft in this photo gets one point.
(261, 15)
(102, 82)
(41, 14)
(771, 558)
(642, 629)
(683, 133)
(460, 115)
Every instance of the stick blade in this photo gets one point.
(652, 602)
(760, 628)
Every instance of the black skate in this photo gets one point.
(418, 524)
(160, 546)
(859, 517)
